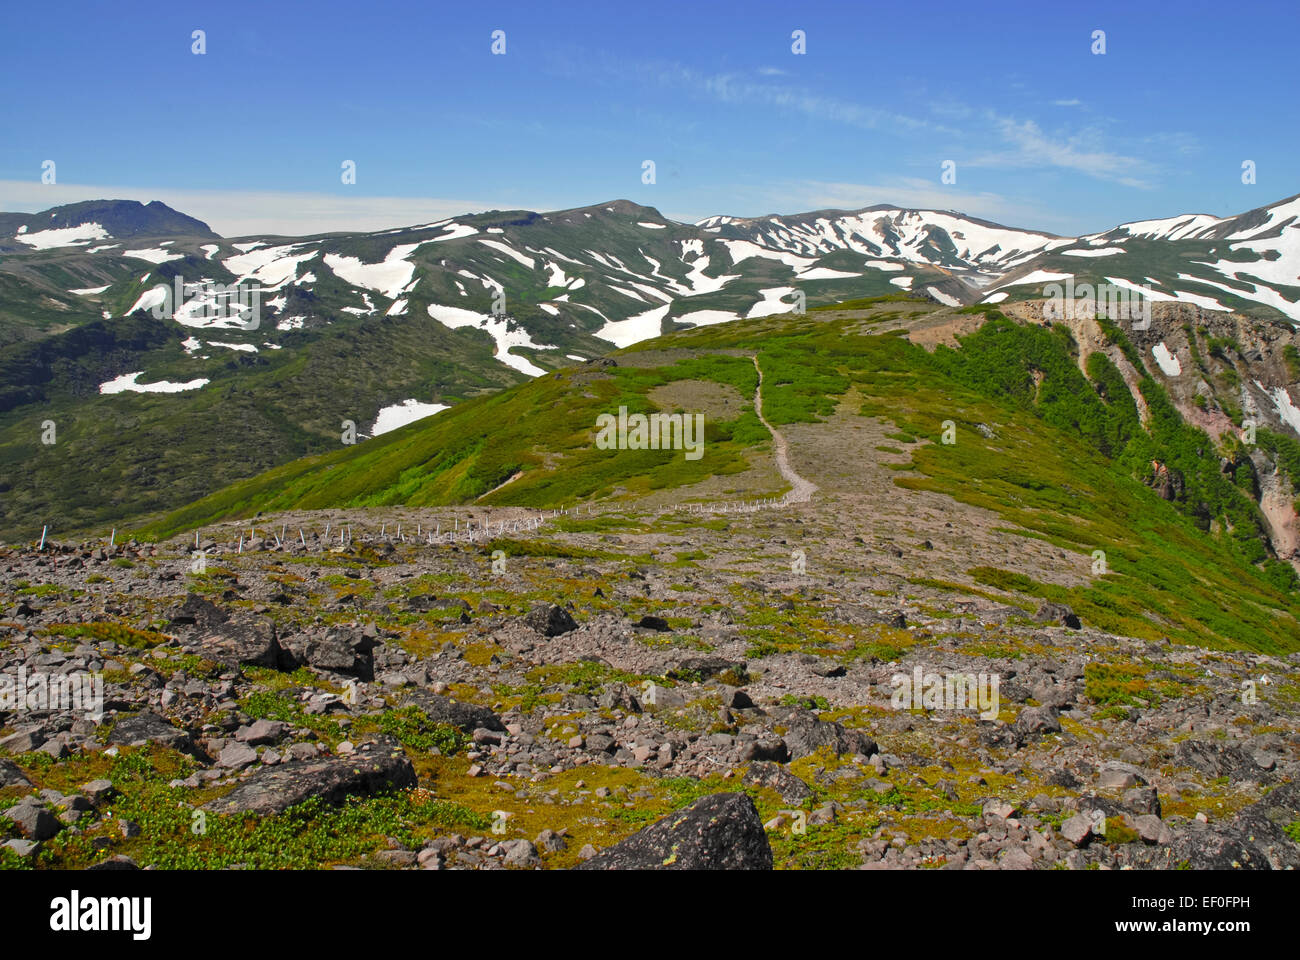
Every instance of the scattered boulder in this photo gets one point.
(1255, 839)
(262, 732)
(118, 862)
(242, 642)
(1036, 722)
(1057, 613)
(1216, 759)
(24, 741)
(466, 716)
(196, 611)
(704, 668)
(33, 819)
(1151, 829)
(237, 756)
(343, 649)
(619, 697)
(1077, 829)
(551, 841)
(765, 773)
(98, 790)
(520, 854)
(718, 832)
(768, 749)
(148, 727)
(22, 848)
(805, 734)
(550, 620)
(375, 767)
(11, 776)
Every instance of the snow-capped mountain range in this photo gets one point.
(378, 329)
(620, 272)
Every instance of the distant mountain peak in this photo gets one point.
(119, 219)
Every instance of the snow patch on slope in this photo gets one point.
(499, 329)
(643, 326)
(400, 414)
(1166, 360)
(77, 236)
(126, 383)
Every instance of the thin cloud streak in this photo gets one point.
(1078, 153)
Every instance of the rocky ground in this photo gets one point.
(634, 688)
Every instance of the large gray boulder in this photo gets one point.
(148, 727)
(242, 643)
(550, 620)
(33, 819)
(1255, 839)
(718, 832)
(375, 767)
(465, 716)
(12, 776)
(806, 734)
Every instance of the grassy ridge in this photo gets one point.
(1057, 453)
(463, 453)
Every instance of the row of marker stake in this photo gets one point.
(484, 530)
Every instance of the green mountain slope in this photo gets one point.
(355, 326)
(1051, 442)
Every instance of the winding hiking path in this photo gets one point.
(801, 490)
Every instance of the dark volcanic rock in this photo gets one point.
(705, 667)
(11, 776)
(196, 611)
(242, 642)
(1063, 778)
(1036, 721)
(767, 774)
(466, 716)
(36, 822)
(148, 727)
(769, 749)
(805, 734)
(343, 649)
(717, 832)
(1216, 759)
(550, 620)
(375, 767)
(650, 622)
(1057, 613)
(1252, 840)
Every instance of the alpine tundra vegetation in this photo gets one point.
(483, 639)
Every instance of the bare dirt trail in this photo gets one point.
(801, 489)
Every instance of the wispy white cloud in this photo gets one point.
(1029, 145)
(1079, 152)
(1067, 103)
(234, 213)
(736, 89)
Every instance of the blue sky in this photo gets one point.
(1043, 133)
